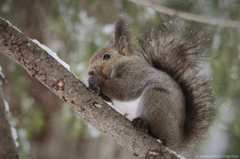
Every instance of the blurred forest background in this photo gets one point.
(75, 29)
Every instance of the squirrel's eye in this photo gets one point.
(106, 57)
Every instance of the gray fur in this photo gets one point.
(175, 100)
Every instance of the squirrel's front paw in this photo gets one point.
(141, 125)
(96, 81)
(103, 76)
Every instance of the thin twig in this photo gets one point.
(188, 16)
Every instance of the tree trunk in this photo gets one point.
(7, 146)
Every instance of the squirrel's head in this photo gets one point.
(104, 60)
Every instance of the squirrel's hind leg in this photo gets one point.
(157, 109)
(141, 125)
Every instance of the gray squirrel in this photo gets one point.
(157, 85)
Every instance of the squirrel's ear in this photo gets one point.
(122, 38)
(124, 46)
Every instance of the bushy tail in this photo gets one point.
(180, 56)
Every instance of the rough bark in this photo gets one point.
(8, 149)
(83, 102)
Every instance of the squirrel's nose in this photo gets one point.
(91, 72)
(94, 71)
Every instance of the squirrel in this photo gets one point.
(157, 85)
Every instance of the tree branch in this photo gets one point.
(7, 146)
(188, 16)
(86, 104)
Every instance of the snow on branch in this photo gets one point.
(188, 16)
(86, 104)
(53, 54)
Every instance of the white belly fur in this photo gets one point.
(129, 108)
